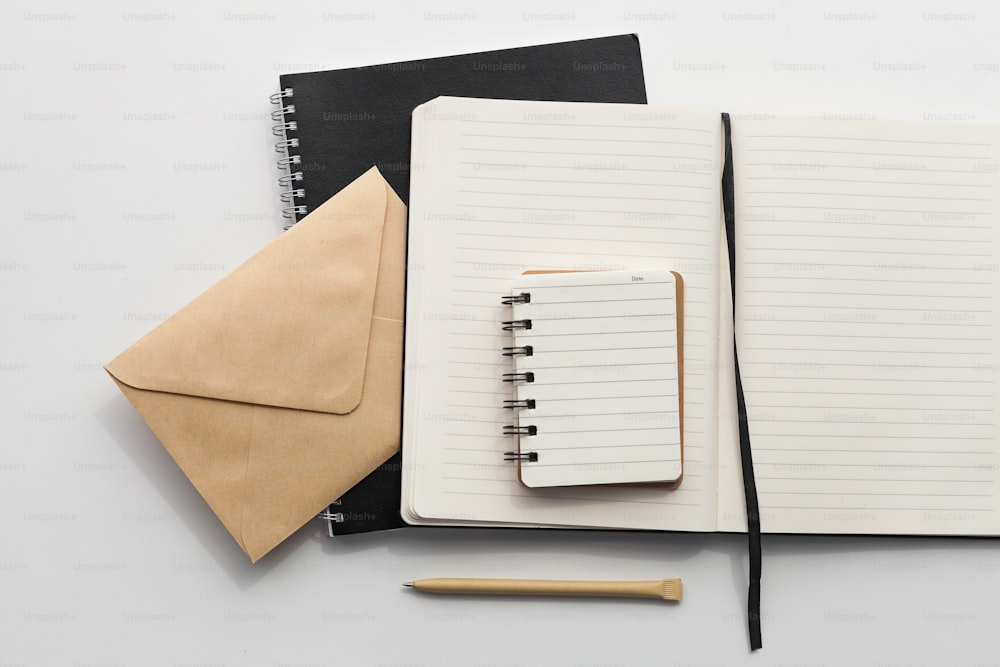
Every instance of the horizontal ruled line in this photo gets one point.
(880, 308)
(894, 295)
(532, 335)
(853, 351)
(827, 406)
(566, 238)
(810, 450)
(827, 378)
(923, 424)
(829, 152)
(577, 253)
(872, 223)
(540, 288)
(878, 479)
(542, 450)
(866, 181)
(621, 316)
(604, 398)
(602, 349)
(842, 237)
(879, 210)
(586, 153)
(582, 210)
(872, 139)
(865, 336)
(633, 381)
(590, 168)
(578, 196)
(575, 182)
(869, 322)
(624, 127)
(859, 194)
(496, 363)
(610, 430)
(649, 298)
(470, 391)
(876, 437)
(869, 393)
(885, 253)
(603, 463)
(868, 167)
(643, 140)
(869, 508)
(480, 450)
(878, 493)
(500, 279)
(526, 412)
(610, 366)
(666, 226)
(607, 365)
(666, 503)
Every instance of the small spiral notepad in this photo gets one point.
(596, 381)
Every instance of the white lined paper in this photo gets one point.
(598, 187)
(866, 282)
(631, 319)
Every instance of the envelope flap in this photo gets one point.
(288, 328)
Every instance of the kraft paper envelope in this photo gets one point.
(279, 388)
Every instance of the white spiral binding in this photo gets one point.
(331, 517)
(286, 129)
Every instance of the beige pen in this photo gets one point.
(660, 589)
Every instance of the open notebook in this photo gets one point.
(867, 268)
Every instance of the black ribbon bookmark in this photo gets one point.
(746, 456)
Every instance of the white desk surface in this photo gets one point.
(136, 168)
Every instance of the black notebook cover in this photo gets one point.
(338, 123)
(344, 121)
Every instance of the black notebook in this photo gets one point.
(336, 124)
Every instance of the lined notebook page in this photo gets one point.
(502, 187)
(867, 323)
(601, 403)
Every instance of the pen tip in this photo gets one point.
(408, 584)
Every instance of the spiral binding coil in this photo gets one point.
(523, 297)
(526, 377)
(331, 517)
(286, 129)
(516, 325)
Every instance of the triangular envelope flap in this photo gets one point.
(289, 327)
